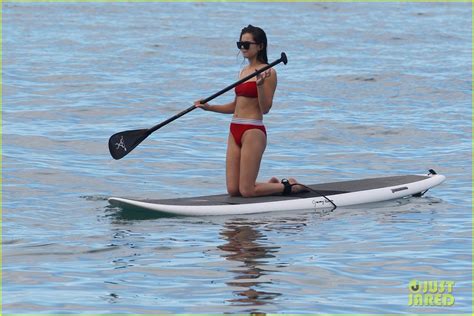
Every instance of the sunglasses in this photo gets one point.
(244, 45)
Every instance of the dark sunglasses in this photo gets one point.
(245, 45)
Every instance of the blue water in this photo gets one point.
(369, 90)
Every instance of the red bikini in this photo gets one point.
(239, 126)
(247, 89)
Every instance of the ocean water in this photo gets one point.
(370, 89)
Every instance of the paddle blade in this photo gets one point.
(121, 144)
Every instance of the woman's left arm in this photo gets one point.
(266, 85)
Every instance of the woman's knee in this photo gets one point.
(247, 191)
(233, 190)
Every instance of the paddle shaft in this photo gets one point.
(215, 95)
(121, 144)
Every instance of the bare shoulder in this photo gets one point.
(273, 74)
(273, 71)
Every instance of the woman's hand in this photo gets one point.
(204, 106)
(261, 76)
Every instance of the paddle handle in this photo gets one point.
(282, 59)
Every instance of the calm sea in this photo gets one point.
(370, 89)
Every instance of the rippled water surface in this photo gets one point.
(369, 90)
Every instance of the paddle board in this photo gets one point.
(321, 196)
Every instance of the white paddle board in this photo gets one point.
(321, 196)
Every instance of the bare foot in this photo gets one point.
(296, 188)
(274, 180)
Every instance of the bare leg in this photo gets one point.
(232, 167)
(271, 180)
(253, 145)
(243, 164)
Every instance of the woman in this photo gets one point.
(248, 137)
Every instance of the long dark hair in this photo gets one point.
(259, 37)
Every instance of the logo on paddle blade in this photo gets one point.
(121, 144)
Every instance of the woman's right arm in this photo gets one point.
(228, 108)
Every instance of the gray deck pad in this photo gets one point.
(333, 188)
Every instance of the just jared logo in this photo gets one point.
(431, 293)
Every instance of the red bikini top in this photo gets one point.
(247, 89)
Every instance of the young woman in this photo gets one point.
(248, 137)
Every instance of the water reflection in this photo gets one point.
(243, 245)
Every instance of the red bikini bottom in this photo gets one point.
(237, 130)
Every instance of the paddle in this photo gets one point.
(121, 144)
